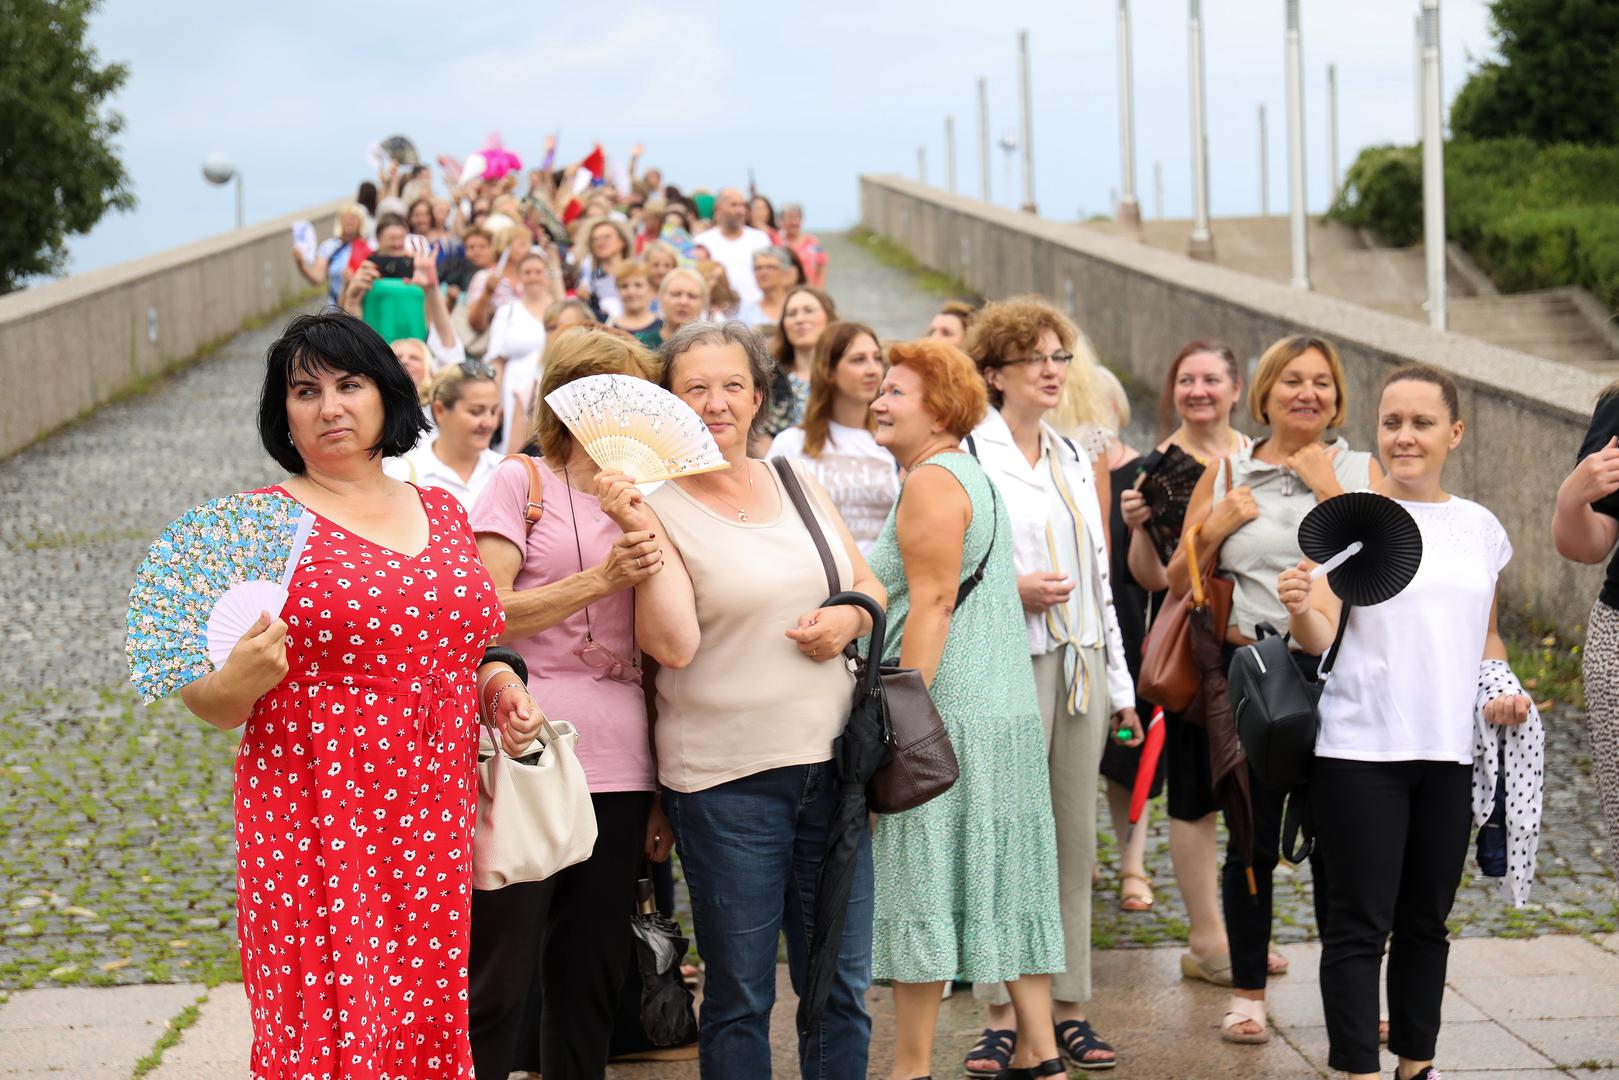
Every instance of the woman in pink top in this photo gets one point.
(573, 585)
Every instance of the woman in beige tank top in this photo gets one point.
(744, 731)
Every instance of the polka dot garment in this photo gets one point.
(1524, 748)
(355, 800)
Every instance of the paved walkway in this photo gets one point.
(117, 897)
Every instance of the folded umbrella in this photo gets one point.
(667, 1015)
(1147, 768)
(858, 753)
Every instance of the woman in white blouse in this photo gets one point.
(836, 439)
(1023, 348)
(1392, 783)
(464, 402)
(516, 341)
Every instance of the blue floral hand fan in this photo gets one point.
(204, 583)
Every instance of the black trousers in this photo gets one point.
(1248, 915)
(575, 927)
(1394, 836)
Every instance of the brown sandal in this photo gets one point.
(1135, 903)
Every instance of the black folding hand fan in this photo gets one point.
(1368, 546)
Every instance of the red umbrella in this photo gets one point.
(1146, 769)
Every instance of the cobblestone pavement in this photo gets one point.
(116, 861)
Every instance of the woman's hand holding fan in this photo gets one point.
(257, 663)
(624, 502)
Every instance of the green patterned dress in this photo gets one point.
(967, 883)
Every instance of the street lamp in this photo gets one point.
(1299, 227)
(1129, 209)
(1433, 165)
(218, 169)
(1201, 243)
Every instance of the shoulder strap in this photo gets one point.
(535, 507)
(795, 494)
(1298, 827)
(1072, 449)
(1338, 639)
(973, 579)
(972, 445)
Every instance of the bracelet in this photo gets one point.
(494, 699)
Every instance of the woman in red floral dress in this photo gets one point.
(355, 781)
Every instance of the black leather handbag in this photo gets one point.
(921, 761)
(1275, 709)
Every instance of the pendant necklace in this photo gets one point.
(741, 514)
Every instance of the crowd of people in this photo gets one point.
(971, 481)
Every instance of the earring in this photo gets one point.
(289, 436)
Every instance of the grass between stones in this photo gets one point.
(173, 1029)
(117, 864)
(896, 257)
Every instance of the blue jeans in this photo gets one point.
(750, 849)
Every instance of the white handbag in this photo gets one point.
(534, 813)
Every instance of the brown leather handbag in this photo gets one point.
(1169, 676)
(921, 762)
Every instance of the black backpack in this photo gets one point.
(1273, 707)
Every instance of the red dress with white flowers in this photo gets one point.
(355, 799)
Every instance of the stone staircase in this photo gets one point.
(1565, 324)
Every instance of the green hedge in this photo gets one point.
(1533, 217)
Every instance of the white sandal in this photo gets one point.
(1244, 1010)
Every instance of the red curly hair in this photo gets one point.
(952, 389)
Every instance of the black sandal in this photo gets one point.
(1053, 1067)
(1076, 1039)
(992, 1045)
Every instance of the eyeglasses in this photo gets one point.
(593, 654)
(1060, 358)
(475, 369)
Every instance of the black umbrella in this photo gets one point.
(858, 753)
(1368, 546)
(667, 1016)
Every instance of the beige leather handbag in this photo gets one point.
(534, 812)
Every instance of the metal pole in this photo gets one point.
(1433, 166)
(241, 211)
(1129, 206)
(1028, 122)
(1158, 190)
(1201, 244)
(1416, 71)
(1264, 166)
(1332, 127)
(922, 164)
(950, 154)
(983, 140)
(1295, 150)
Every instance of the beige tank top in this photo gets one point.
(749, 700)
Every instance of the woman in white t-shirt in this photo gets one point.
(1391, 786)
(836, 437)
(516, 341)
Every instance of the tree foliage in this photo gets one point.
(59, 169)
(1557, 79)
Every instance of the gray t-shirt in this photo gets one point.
(1255, 555)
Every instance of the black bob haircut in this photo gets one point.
(333, 341)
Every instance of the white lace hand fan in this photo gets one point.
(635, 427)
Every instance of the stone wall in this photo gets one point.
(1525, 415)
(70, 345)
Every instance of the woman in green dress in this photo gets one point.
(966, 883)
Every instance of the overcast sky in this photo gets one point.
(295, 91)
